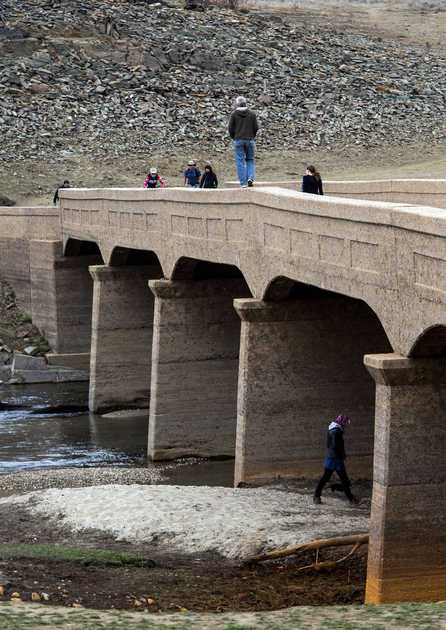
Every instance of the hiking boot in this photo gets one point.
(354, 500)
(317, 500)
(250, 183)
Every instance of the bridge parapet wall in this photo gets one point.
(421, 192)
(392, 256)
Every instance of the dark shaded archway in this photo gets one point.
(191, 269)
(75, 247)
(132, 257)
(303, 365)
(431, 343)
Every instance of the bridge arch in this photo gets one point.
(77, 247)
(188, 269)
(303, 364)
(122, 256)
(431, 343)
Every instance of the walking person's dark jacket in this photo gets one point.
(311, 184)
(56, 194)
(335, 443)
(209, 180)
(243, 124)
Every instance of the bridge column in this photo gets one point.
(196, 340)
(301, 363)
(407, 548)
(61, 296)
(121, 343)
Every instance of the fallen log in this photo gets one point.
(341, 541)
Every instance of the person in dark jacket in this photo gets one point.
(243, 128)
(209, 178)
(312, 182)
(66, 184)
(334, 460)
(153, 179)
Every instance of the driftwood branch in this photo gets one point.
(329, 564)
(341, 541)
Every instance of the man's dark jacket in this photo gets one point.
(243, 124)
(335, 444)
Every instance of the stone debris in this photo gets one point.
(6, 201)
(79, 477)
(88, 79)
(33, 369)
(16, 328)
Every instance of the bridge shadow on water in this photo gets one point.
(34, 440)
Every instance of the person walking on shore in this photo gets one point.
(312, 181)
(66, 184)
(335, 460)
(243, 128)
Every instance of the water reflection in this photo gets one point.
(41, 441)
(38, 442)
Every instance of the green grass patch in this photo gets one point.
(85, 557)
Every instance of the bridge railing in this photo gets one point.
(421, 192)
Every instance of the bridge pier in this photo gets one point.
(407, 549)
(196, 341)
(301, 363)
(121, 343)
(61, 296)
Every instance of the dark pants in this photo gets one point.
(345, 481)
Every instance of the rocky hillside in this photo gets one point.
(99, 80)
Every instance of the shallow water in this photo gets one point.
(37, 442)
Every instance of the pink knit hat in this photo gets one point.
(342, 420)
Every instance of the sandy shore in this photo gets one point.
(236, 523)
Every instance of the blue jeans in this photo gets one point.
(244, 160)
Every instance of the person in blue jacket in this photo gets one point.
(335, 460)
(192, 175)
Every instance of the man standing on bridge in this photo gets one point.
(242, 129)
(334, 460)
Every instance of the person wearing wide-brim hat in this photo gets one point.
(335, 460)
(192, 175)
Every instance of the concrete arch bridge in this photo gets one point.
(245, 319)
